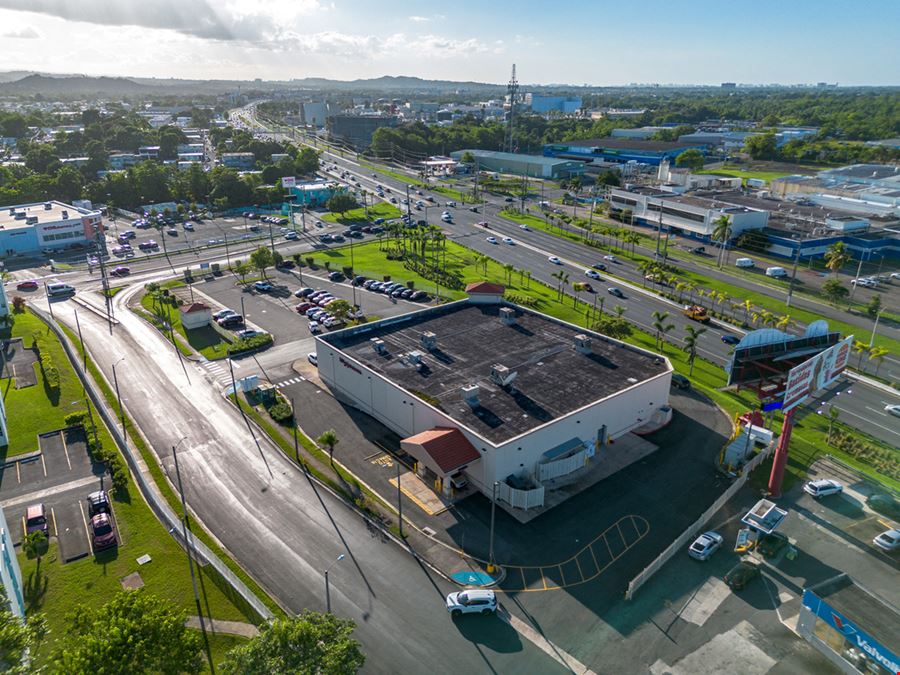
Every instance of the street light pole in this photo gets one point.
(119, 398)
(493, 509)
(875, 328)
(327, 587)
(793, 276)
(399, 502)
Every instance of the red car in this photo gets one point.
(303, 306)
(27, 285)
(102, 531)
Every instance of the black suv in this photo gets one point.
(231, 321)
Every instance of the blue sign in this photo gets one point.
(878, 653)
(774, 405)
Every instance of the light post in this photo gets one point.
(493, 509)
(875, 328)
(119, 398)
(327, 587)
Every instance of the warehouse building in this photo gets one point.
(535, 166)
(47, 226)
(621, 150)
(242, 161)
(357, 130)
(508, 397)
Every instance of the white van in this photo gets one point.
(57, 289)
(744, 262)
(776, 272)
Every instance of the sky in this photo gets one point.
(598, 43)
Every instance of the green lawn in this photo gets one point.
(379, 210)
(207, 340)
(402, 177)
(219, 645)
(93, 580)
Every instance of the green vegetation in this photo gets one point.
(256, 342)
(55, 588)
(378, 210)
(162, 311)
(739, 172)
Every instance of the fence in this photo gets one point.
(561, 467)
(521, 499)
(160, 507)
(697, 525)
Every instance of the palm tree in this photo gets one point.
(35, 546)
(528, 278)
(721, 233)
(833, 414)
(690, 344)
(862, 349)
(660, 326)
(509, 269)
(619, 310)
(559, 279)
(783, 322)
(878, 353)
(748, 307)
(680, 288)
(690, 287)
(836, 257)
(328, 439)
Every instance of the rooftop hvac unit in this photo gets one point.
(65, 215)
(31, 220)
(378, 345)
(47, 206)
(508, 315)
(470, 395)
(502, 376)
(21, 215)
(414, 357)
(429, 340)
(583, 344)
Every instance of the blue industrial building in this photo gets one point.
(621, 150)
(568, 105)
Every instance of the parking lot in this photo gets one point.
(273, 311)
(60, 476)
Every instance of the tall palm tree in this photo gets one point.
(619, 310)
(509, 269)
(878, 353)
(559, 280)
(721, 233)
(34, 545)
(748, 307)
(660, 325)
(833, 414)
(783, 322)
(690, 344)
(328, 439)
(836, 257)
(680, 288)
(862, 349)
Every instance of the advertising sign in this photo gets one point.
(288, 181)
(816, 373)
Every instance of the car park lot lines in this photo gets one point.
(586, 565)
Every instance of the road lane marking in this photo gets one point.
(868, 421)
(41, 494)
(534, 637)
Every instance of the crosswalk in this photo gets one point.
(287, 383)
(218, 371)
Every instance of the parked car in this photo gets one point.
(304, 292)
(822, 488)
(335, 277)
(102, 532)
(263, 286)
(313, 358)
(358, 280)
(418, 296)
(741, 574)
(222, 313)
(248, 333)
(407, 293)
(772, 544)
(679, 381)
(98, 502)
(614, 290)
(553, 259)
(36, 520)
(148, 245)
(231, 321)
(472, 601)
(302, 307)
(30, 285)
(888, 540)
(729, 339)
(705, 545)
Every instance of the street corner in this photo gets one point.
(470, 573)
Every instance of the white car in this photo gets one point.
(451, 204)
(823, 487)
(892, 409)
(313, 358)
(555, 260)
(222, 313)
(477, 601)
(509, 240)
(889, 540)
(491, 240)
(592, 274)
(611, 258)
(523, 226)
(705, 545)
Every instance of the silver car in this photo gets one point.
(705, 545)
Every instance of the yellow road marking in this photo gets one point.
(578, 565)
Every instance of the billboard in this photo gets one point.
(288, 181)
(816, 373)
(765, 357)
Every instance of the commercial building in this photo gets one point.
(620, 150)
(642, 133)
(686, 215)
(314, 194)
(357, 130)
(535, 166)
(314, 113)
(10, 573)
(27, 228)
(4, 311)
(854, 628)
(242, 161)
(148, 152)
(567, 105)
(498, 392)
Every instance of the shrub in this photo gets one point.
(311, 262)
(18, 304)
(348, 271)
(280, 412)
(249, 344)
(76, 418)
(50, 371)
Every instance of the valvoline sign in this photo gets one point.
(877, 652)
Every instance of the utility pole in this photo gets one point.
(399, 502)
(493, 509)
(855, 281)
(793, 276)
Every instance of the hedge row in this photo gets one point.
(109, 458)
(251, 344)
(51, 373)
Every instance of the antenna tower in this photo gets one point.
(512, 90)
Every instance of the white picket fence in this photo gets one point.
(561, 467)
(697, 525)
(521, 499)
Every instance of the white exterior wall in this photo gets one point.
(4, 310)
(408, 415)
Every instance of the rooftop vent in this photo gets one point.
(470, 395)
(65, 215)
(21, 215)
(47, 206)
(31, 220)
(502, 376)
(429, 340)
(12, 211)
(583, 344)
(378, 345)
(508, 315)
(414, 357)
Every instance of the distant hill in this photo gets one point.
(72, 85)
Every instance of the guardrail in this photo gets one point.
(683, 539)
(159, 506)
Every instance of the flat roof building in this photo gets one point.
(526, 391)
(621, 150)
(535, 166)
(27, 228)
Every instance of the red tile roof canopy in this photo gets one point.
(448, 447)
(194, 307)
(486, 288)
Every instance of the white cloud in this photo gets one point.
(26, 33)
(419, 19)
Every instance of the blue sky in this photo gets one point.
(576, 42)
